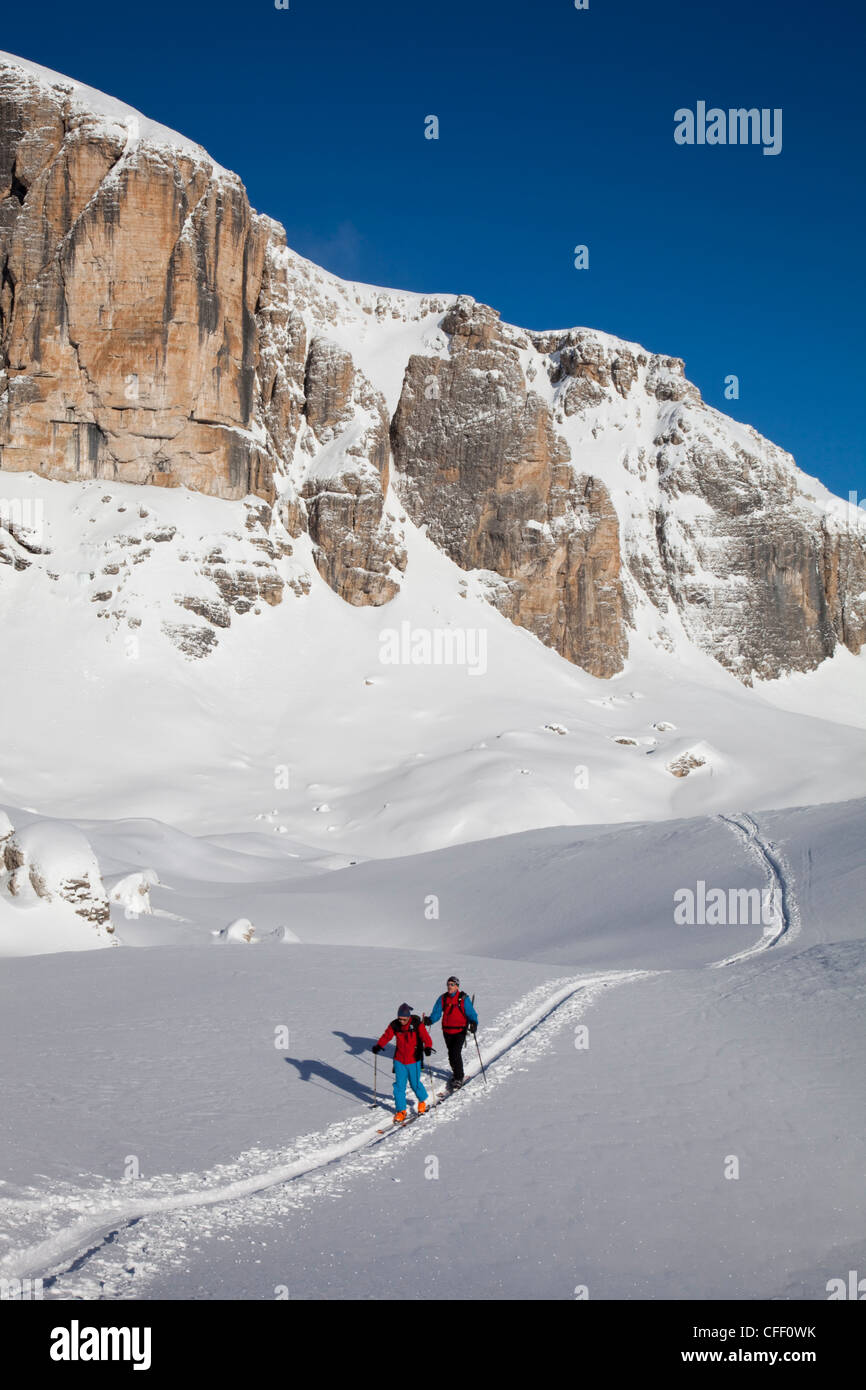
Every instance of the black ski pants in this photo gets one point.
(454, 1042)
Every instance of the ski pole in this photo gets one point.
(478, 1049)
(466, 1034)
(430, 1075)
(375, 1104)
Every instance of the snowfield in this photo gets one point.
(230, 1149)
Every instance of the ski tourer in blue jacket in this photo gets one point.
(458, 1016)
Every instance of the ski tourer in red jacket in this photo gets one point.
(410, 1036)
(412, 1042)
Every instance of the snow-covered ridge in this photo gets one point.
(114, 112)
(356, 298)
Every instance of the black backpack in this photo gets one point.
(414, 1027)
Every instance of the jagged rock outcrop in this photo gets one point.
(719, 528)
(479, 461)
(752, 575)
(358, 549)
(154, 329)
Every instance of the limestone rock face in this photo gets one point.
(283, 342)
(130, 280)
(328, 389)
(753, 577)
(358, 549)
(720, 532)
(151, 332)
(843, 571)
(479, 461)
(587, 369)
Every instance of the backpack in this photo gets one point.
(457, 998)
(414, 1027)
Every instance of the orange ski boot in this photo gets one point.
(400, 1117)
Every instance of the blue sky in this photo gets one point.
(556, 129)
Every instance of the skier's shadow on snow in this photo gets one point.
(310, 1068)
(356, 1047)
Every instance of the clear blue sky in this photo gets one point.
(556, 128)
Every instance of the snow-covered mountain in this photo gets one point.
(154, 329)
(373, 570)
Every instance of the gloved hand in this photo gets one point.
(427, 1051)
(376, 1047)
(426, 1020)
(473, 1026)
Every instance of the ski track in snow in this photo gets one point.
(79, 1259)
(322, 1161)
(779, 878)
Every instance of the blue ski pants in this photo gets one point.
(412, 1074)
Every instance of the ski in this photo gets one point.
(443, 1095)
(431, 1104)
(389, 1129)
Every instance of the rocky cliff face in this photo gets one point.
(480, 461)
(130, 280)
(149, 333)
(722, 533)
(155, 330)
(358, 550)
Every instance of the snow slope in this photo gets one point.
(259, 1164)
(295, 712)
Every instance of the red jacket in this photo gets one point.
(454, 1016)
(409, 1043)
